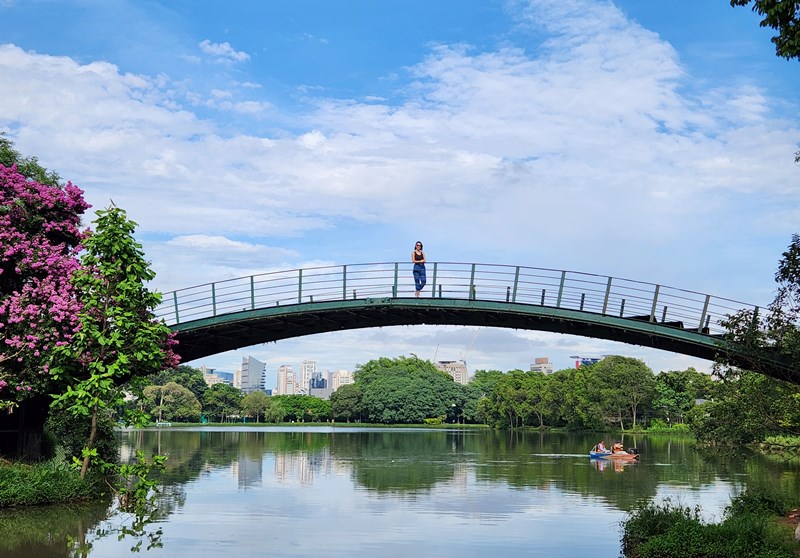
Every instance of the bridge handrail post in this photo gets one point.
(561, 289)
(213, 299)
(433, 282)
(394, 287)
(516, 283)
(252, 292)
(655, 303)
(472, 283)
(299, 286)
(344, 283)
(608, 293)
(175, 302)
(703, 315)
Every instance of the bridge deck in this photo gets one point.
(568, 290)
(241, 312)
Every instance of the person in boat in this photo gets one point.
(617, 448)
(601, 447)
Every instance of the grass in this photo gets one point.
(50, 482)
(754, 526)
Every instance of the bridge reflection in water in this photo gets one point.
(236, 313)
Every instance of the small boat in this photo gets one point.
(631, 455)
(621, 455)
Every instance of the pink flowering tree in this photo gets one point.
(39, 238)
(73, 332)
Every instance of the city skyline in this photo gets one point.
(652, 141)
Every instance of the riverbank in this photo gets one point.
(437, 426)
(759, 523)
(50, 482)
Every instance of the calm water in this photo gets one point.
(352, 492)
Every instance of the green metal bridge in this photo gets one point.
(236, 313)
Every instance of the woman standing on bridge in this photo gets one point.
(418, 258)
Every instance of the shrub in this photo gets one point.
(44, 483)
(749, 530)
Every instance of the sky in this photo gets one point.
(651, 140)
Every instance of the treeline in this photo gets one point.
(618, 392)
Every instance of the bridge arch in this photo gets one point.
(236, 313)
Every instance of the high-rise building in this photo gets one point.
(287, 380)
(212, 376)
(251, 375)
(307, 371)
(341, 378)
(456, 368)
(319, 380)
(542, 364)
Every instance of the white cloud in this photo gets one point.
(586, 153)
(223, 52)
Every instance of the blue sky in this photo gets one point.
(647, 140)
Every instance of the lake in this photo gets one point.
(357, 492)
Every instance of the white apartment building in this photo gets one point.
(211, 377)
(251, 375)
(542, 364)
(307, 371)
(287, 380)
(456, 368)
(341, 378)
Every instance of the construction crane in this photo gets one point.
(469, 347)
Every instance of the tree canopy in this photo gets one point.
(406, 390)
(782, 16)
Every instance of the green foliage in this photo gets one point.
(749, 530)
(676, 391)
(28, 167)
(186, 376)
(221, 401)
(71, 434)
(303, 408)
(749, 407)
(171, 402)
(782, 16)
(406, 390)
(119, 340)
(346, 403)
(50, 482)
(625, 385)
(761, 499)
(255, 404)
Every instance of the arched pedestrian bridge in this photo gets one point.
(237, 313)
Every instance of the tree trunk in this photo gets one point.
(90, 443)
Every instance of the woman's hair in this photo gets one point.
(418, 242)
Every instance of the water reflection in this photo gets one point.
(221, 486)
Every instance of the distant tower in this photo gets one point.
(251, 376)
(456, 368)
(308, 370)
(542, 364)
(341, 378)
(287, 381)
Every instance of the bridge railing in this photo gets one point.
(609, 296)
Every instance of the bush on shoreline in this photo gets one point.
(753, 526)
(50, 482)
